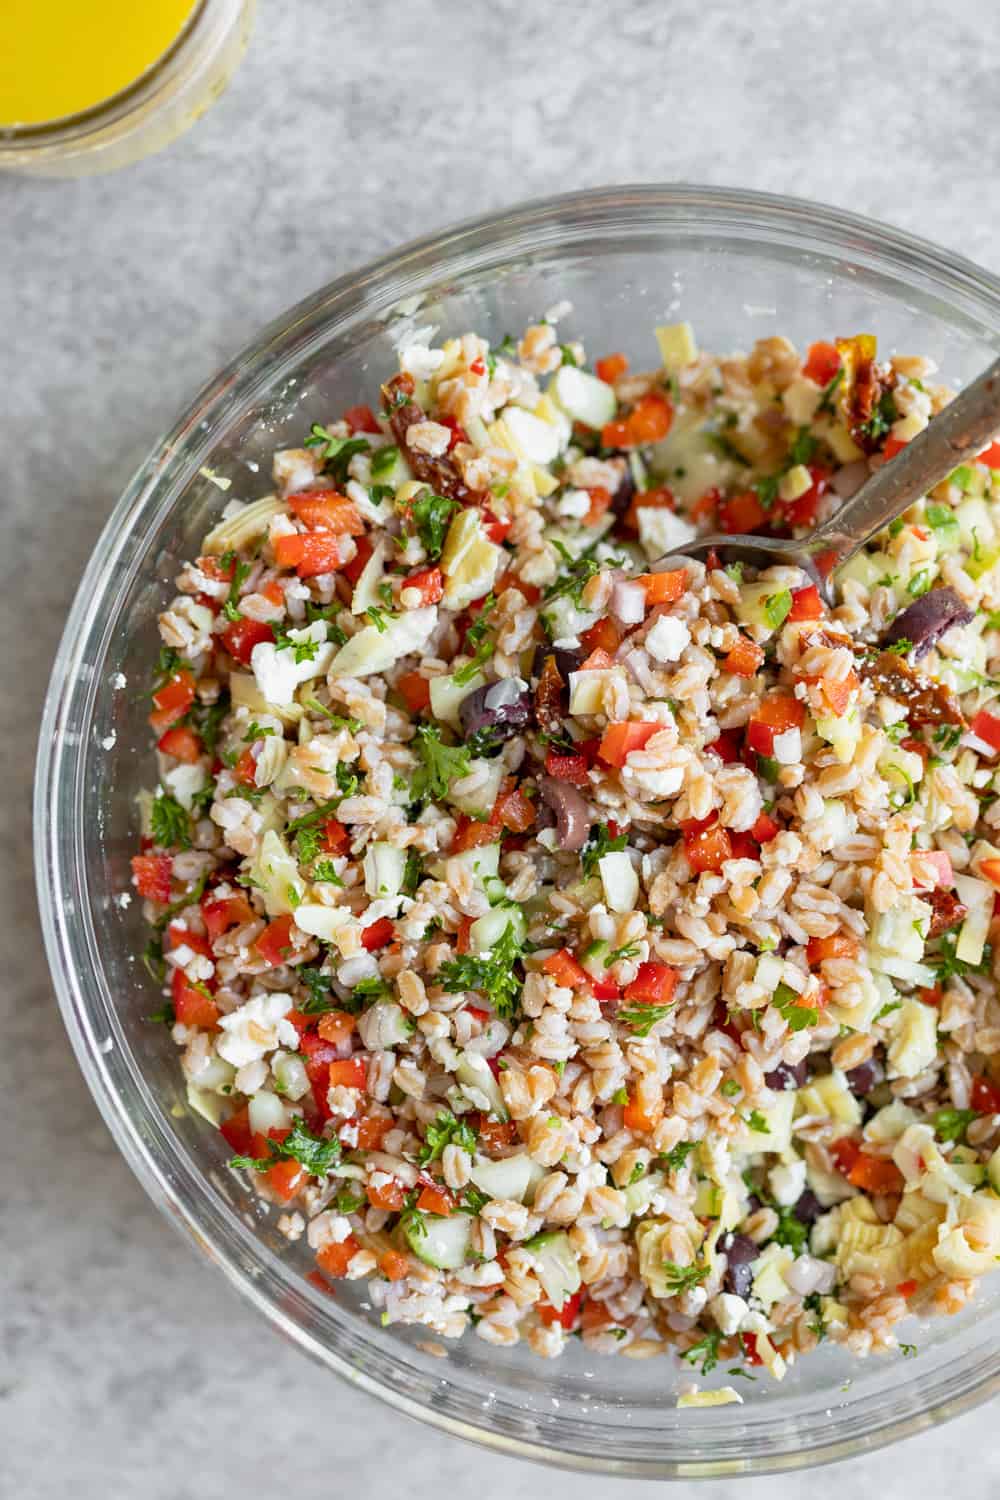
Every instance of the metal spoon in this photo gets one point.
(958, 432)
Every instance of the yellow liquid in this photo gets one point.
(58, 57)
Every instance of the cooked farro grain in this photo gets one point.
(572, 940)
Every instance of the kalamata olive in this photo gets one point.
(501, 709)
(568, 659)
(571, 812)
(624, 494)
(740, 1251)
(808, 1208)
(866, 1076)
(927, 619)
(787, 1076)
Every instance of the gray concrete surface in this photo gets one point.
(126, 1368)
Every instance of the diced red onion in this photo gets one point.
(628, 602)
(807, 1275)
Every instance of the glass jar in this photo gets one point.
(162, 102)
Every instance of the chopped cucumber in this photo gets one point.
(474, 1072)
(555, 1266)
(439, 1242)
(486, 931)
(512, 1177)
(385, 870)
(583, 397)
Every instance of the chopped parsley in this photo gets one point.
(575, 576)
(642, 1018)
(797, 1015)
(442, 764)
(677, 1157)
(600, 842)
(311, 1151)
(378, 618)
(383, 460)
(681, 1279)
(919, 583)
(947, 963)
(490, 973)
(790, 1231)
(320, 998)
(325, 870)
(756, 1121)
(337, 452)
(829, 390)
(766, 490)
(803, 447)
(947, 736)
(445, 1130)
(706, 1350)
(241, 571)
(431, 515)
(170, 823)
(882, 418)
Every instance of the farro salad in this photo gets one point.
(567, 936)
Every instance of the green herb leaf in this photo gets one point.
(492, 974)
(445, 1130)
(599, 842)
(681, 1279)
(337, 452)
(951, 1124)
(170, 823)
(642, 1018)
(796, 1015)
(706, 1351)
(431, 515)
(442, 764)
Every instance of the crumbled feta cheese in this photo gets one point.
(662, 532)
(788, 747)
(277, 672)
(667, 639)
(575, 504)
(787, 1182)
(419, 361)
(728, 1310)
(183, 782)
(256, 1029)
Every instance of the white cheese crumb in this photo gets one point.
(667, 639)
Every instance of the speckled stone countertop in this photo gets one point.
(126, 1366)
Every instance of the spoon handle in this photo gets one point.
(958, 432)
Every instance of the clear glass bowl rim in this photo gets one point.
(768, 220)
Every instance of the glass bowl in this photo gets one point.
(158, 106)
(738, 265)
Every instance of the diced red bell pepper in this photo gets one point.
(892, 446)
(750, 1355)
(664, 588)
(565, 1316)
(984, 1095)
(242, 635)
(473, 833)
(990, 870)
(429, 583)
(822, 363)
(806, 604)
(458, 432)
(179, 936)
(387, 1195)
(611, 368)
(802, 512)
(335, 1257)
(285, 1177)
(765, 829)
(571, 768)
(245, 769)
(415, 690)
(727, 747)
(435, 1200)
(619, 740)
(372, 1130)
(744, 659)
(602, 636)
(513, 809)
(236, 1132)
(182, 743)
(742, 513)
(600, 502)
(219, 913)
(744, 846)
(990, 456)
(151, 874)
(309, 553)
(906, 1288)
(336, 838)
(986, 727)
(597, 661)
(564, 969)
(336, 1026)
(394, 1265)
(494, 528)
(192, 1006)
(774, 715)
(172, 701)
(838, 945)
(361, 419)
(348, 1073)
(275, 942)
(327, 510)
(649, 420)
(353, 570)
(707, 845)
(642, 1117)
(605, 989)
(213, 568)
(654, 984)
(377, 934)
